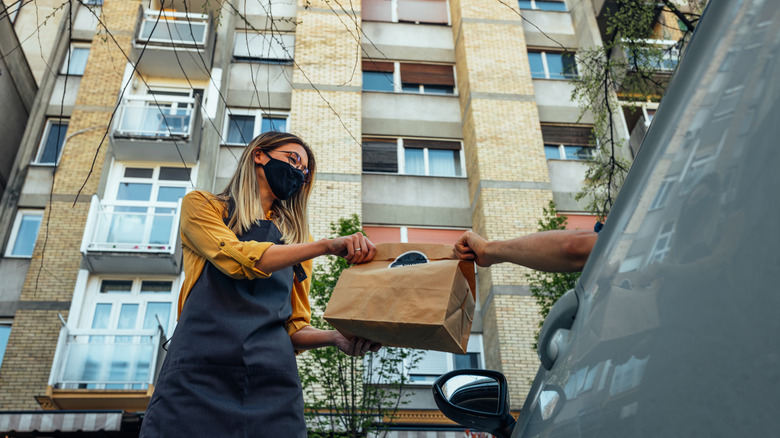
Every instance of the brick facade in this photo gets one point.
(33, 339)
(507, 170)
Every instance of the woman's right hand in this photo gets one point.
(355, 248)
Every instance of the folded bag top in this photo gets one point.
(409, 295)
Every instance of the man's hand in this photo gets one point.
(472, 246)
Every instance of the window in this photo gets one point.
(24, 233)
(271, 47)
(140, 207)
(52, 142)
(435, 363)
(543, 5)
(76, 60)
(5, 333)
(662, 55)
(552, 65)
(663, 242)
(378, 76)
(113, 347)
(567, 142)
(406, 77)
(409, 11)
(413, 157)
(662, 195)
(93, 2)
(244, 125)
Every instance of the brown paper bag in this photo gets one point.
(428, 306)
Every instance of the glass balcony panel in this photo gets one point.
(108, 362)
(134, 228)
(155, 121)
(172, 32)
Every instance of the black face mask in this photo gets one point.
(283, 179)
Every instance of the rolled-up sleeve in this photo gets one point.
(301, 309)
(203, 230)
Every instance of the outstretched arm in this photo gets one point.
(309, 337)
(550, 251)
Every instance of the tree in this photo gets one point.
(349, 396)
(633, 65)
(547, 287)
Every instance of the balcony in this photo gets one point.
(411, 114)
(173, 44)
(410, 199)
(156, 128)
(104, 369)
(132, 237)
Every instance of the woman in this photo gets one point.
(230, 370)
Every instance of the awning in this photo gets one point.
(60, 421)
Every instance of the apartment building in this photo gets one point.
(428, 118)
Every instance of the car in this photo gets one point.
(672, 329)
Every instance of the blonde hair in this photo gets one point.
(243, 192)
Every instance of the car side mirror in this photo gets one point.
(478, 399)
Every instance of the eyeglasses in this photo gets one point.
(295, 161)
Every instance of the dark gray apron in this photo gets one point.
(230, 369)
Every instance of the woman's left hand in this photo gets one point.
(355, 346)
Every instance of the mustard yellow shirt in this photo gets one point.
(205, 237)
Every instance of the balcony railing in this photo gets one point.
(170, 28)
(158, 128)
(170, 43)
(128, 227)
(117, 233)
(151, 116)
(107, 359)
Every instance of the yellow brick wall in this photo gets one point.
(507, 170)
(28, 358)
(33, 339)
(326, 108)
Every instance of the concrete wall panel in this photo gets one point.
(408, 42)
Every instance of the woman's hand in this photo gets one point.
(355, 346)
(355, 248)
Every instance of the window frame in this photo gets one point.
(546, 67)
(284, 40)
(145, 209)
(5, 322)
(68, 55)
(401, 157)
(93, 297)
(88, 296)
(398, 85)
(671, 54)
(476, 347)
(535, 8)
(20, 214)
(394, 16)
(562, 145)
(258, 114)
(117, 177)
(45, 136)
